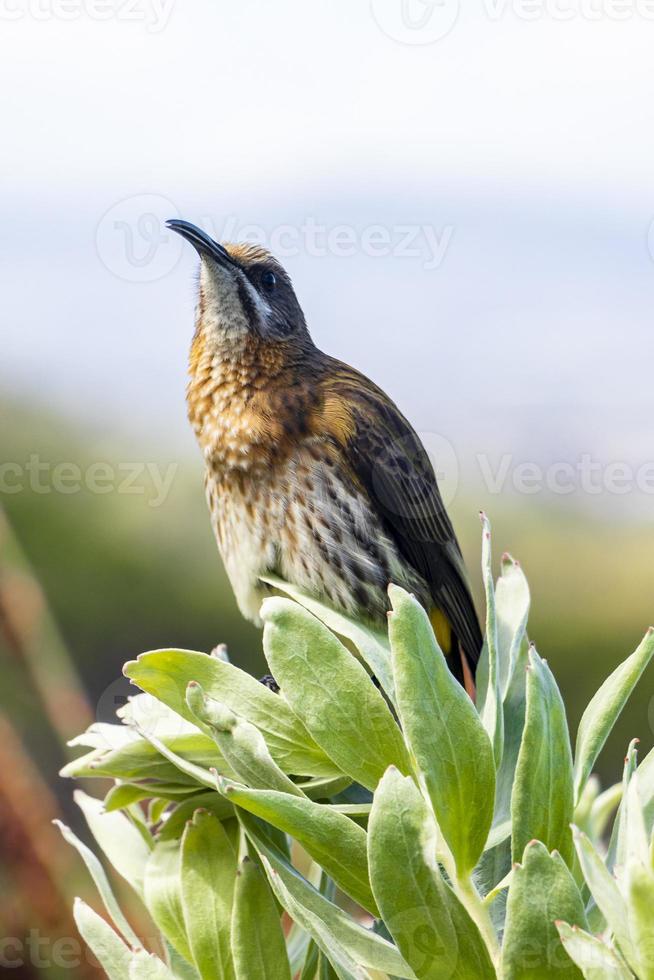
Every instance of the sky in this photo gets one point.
(464, 199)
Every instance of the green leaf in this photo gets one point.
(101, 882)
(604, 710)
(167, 673)
(209, 862)
(639, 887)
(514, 708)
(371, 644)
(542, 890)
(175, 822)
(146, 966)
(331, 692)
(345, 966)
(109, 949)
(542, 801)
(512, 612)
(490, 695)
(240, 743)
(605, 891)
(140, 760)
(328, 922)
(117, 838)
(124, 795)
(433, 931)
(258, 943)
(335, 842)
(163, 895)
(617, 852)
(451, 750)
(595, 959)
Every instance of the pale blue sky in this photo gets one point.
(518, 153)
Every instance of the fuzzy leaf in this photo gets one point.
(595, 959)
(166, 674)
(101, 882)
(542, 891)
(372, 644)
(542, 801)
(433, 931)
(146, 966)
(639, 886)
(240, 743)
(118, 838)
(257, 939)
(335, 842)
(209, 856)
(604, 710)
(490, 694)
(331, 692)
(452, 752)
(111, 952)
(605, 891)
(163, 895)
(328, 922)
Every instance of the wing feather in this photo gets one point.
(391, 463)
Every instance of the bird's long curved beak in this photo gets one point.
(201, 242)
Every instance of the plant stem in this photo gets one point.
(478, 912)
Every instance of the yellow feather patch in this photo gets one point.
(442, 630)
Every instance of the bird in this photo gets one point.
(312, 473)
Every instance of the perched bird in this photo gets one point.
(312, 472)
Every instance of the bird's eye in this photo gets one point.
(268, 280)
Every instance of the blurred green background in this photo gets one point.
(122, 576)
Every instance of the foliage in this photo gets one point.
(352, 830)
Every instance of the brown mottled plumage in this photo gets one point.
(311, 471)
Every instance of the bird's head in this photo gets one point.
(244, 294)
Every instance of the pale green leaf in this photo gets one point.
(433, 931)
(542, 891)
(108, 948)
(258, 943)
(146, 966)
(335, 842)
(167, 673)
(490, 695)
(512, 612)
(163, 895)
(175, 821)
(605, 891)
(240, 743)
(101, 881)
(331, 692)
(361, 945)
(542, 801)
(452, 752)
(117, 838)
(639, 886)
(371, 644)
(595, 959)
(208, 875)
(604, 710)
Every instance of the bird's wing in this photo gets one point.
(395, 470)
